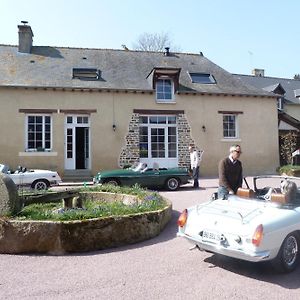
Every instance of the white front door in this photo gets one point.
(77, 142)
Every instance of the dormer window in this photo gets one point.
(280, 103)
(165, 81)
(164, 89)
(203, 78)
(86, 73)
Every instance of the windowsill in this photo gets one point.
(38, 153)
(230, 140)
(166, 102)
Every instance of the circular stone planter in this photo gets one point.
(59, 237)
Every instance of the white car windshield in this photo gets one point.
(140, 167)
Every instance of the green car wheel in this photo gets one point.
(172, 184)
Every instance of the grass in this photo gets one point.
(151, 201)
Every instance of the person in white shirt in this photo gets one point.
(195, 162)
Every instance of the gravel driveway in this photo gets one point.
(160, 268)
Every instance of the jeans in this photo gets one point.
(196, 177)
(222, 192)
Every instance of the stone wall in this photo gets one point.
(130, 153)
(79, 236)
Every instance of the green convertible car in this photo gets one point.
(154, 177)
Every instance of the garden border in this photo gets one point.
(60, 237)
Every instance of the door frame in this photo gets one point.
(71, 123)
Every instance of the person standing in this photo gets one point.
(195, 161)
(230, 173)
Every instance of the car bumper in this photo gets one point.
(227, 251)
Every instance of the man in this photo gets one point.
(195, 161)
(230, 173)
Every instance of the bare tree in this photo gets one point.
(154, 42)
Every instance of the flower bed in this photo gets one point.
(58, 237)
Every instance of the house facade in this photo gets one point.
(73, 109)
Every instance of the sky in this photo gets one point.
(237, 35)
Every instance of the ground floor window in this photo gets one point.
(38, 132)
(158, 137)
(230, 126)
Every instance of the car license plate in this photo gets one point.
(209, 236)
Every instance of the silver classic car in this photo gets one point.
(259, 224)
(35, 179)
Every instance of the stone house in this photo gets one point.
(80, 110)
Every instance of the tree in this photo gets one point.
(288, 146)
(154, 42)
(297, 76)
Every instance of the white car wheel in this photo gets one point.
(288, 256)
(172, 184)
(40, 185)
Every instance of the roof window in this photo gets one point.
(203, 78)
(86, 73)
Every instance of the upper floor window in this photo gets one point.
(280, 103)
(230, 126)
(203, 78)
(38, 132)
(164, 89)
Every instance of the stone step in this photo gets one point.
(77, 176)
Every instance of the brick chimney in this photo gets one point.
(258, 72)
(25, 37)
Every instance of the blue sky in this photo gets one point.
(237, 35)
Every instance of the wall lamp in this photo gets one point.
(114, 127)
(203, 128)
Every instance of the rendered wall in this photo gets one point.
(258, 127)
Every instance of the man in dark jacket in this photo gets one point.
(230, 173)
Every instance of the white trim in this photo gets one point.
(43, 131)
(231, 140)
(237, 134)
(172, 100)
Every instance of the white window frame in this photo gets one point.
(165, 126)
(236, 130)
(280, 103)
(164, 100)
(27, 149)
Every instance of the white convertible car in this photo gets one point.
(36, 179)
(259, 224)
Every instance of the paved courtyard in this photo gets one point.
(160, 268)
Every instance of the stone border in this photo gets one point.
(60, 237)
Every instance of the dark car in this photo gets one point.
(157, 177)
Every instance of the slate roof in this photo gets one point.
(51, 67)
(270, 83)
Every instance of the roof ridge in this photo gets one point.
(271, 77)
(105, 49)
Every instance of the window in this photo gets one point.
(203, 78)
(280, 103)
(230, 126)
(164, 90)
(158, 137)
(86, 73)
(38, 132)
